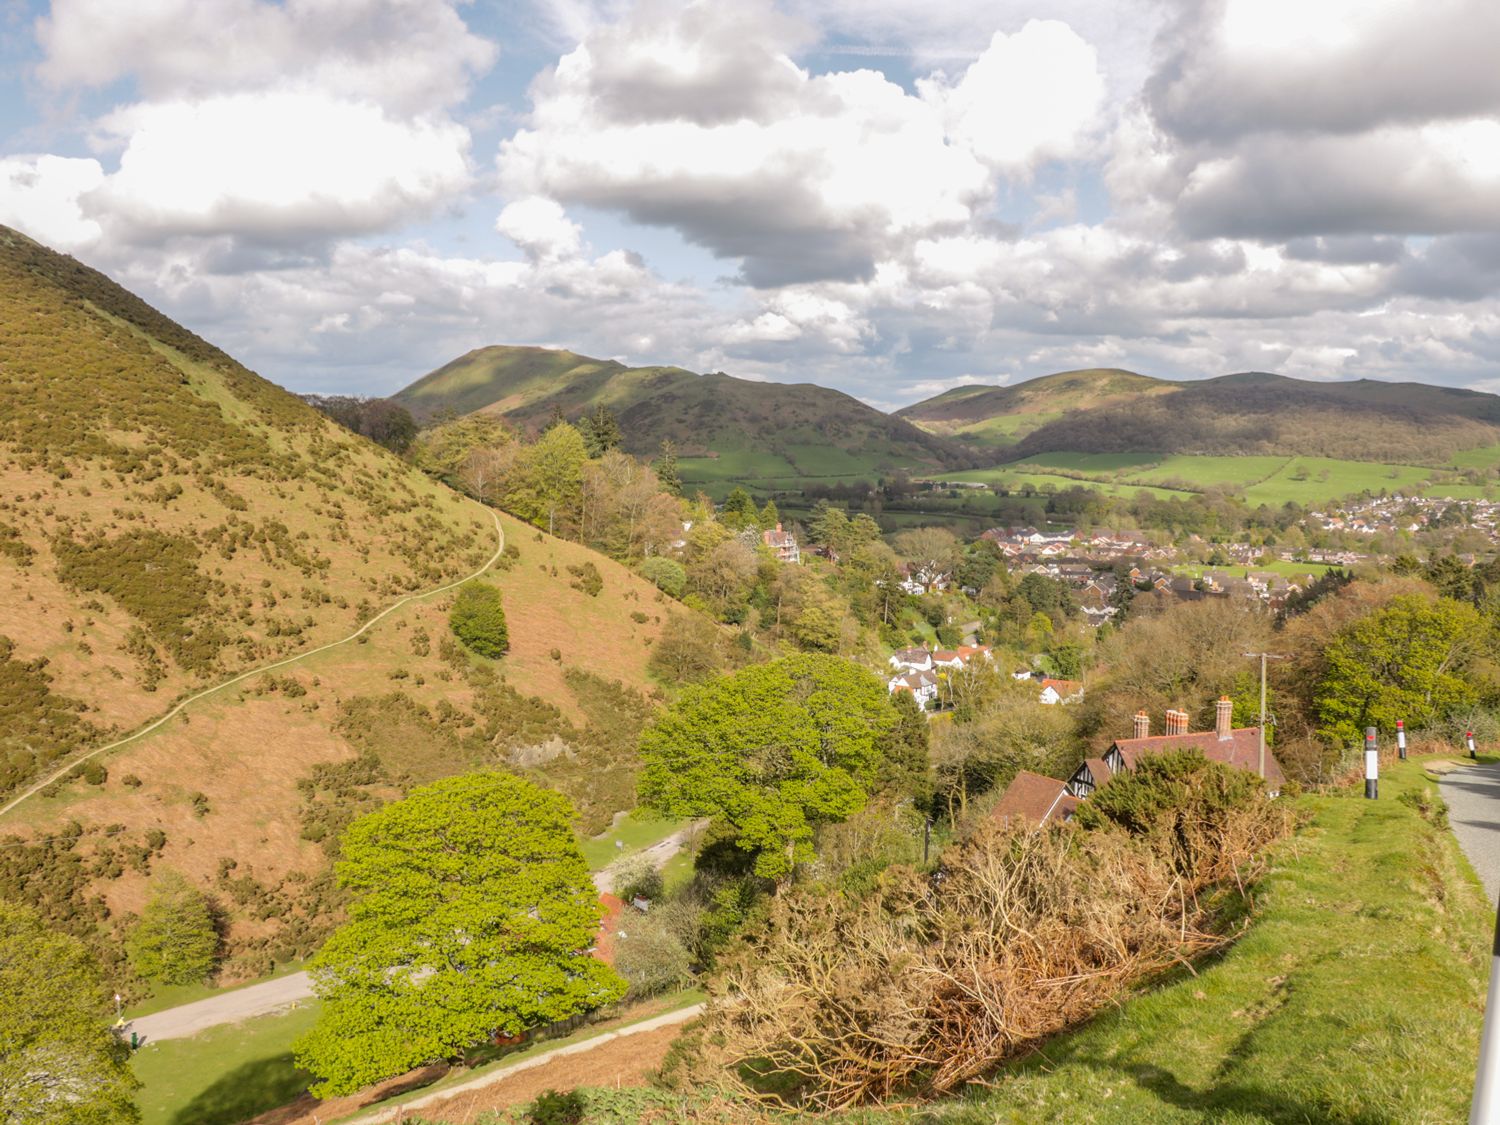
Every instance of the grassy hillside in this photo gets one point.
(798, 429)
(168, 520)
(999, 417)
(1259, 414)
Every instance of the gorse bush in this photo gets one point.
(478, 620)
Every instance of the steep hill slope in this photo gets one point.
(167, 520)
(701, 414)
(998, 417)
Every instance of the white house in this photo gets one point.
(922, 685)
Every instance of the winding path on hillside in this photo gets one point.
(1473, 796)
(243, 676)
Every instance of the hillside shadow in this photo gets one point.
(246, 1091)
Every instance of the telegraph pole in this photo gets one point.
(1264, 656)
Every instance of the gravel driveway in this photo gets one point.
(1473, 796)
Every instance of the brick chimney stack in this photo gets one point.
(1223, 717)
(1142, 725)
(1177, 721)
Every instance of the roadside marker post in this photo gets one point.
(1469, 737)
(1372, 766)
(1401, 739)
(1485, 1109)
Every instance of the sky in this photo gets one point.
(883, 196)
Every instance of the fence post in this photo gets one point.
(1401, 739)
(1372, 766)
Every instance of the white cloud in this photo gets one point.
(704, 124)
(278, 167)
(39, 195)
(541, 228)
(408, 55)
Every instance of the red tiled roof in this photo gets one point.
(1063, 688)
(1031, 797)
(1240, 749)
(1099, 770)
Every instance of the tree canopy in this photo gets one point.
(60, 1064)
(773, 750)
(1411, 660)
(175, 940)
(473, 912)
(478, 619)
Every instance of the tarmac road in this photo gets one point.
(1473, 796)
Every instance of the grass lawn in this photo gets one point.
(225, 1074)
(1356, 997)
(634, 832)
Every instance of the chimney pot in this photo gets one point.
(1142, 725)
(1223, 717)
(1176, 721)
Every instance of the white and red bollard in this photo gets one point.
(1469, 738)
(1372, 766)
(1401, 739)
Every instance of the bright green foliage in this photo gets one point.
(773, 750)
(175, 941)
(556, 462)
(59, 1063)
(478, 619)
(472, 914)
(1411, 660)
(666, 574)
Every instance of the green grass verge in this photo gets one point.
(225, 1074)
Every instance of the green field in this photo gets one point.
(1272, 481)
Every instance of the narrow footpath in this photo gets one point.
(1473, 796)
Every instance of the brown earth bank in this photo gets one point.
(628, 1061)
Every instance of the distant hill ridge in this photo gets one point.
(1248, 413)
(701, 414)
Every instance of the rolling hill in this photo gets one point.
(998, 417)
(1246, 414)
(170, 521)
(807, 429)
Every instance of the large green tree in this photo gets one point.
(556, 478)
(473, 912)
(773, 750)
(59, 1062)
(175, 940)
(1414, 659)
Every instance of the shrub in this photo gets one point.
(175, 941)
(651, 956)
(638, 877)
(586, 577)
(478, 620)
(557, 1107)
(665, 574)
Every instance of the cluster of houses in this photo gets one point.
(1036, 799)
(922, 671)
